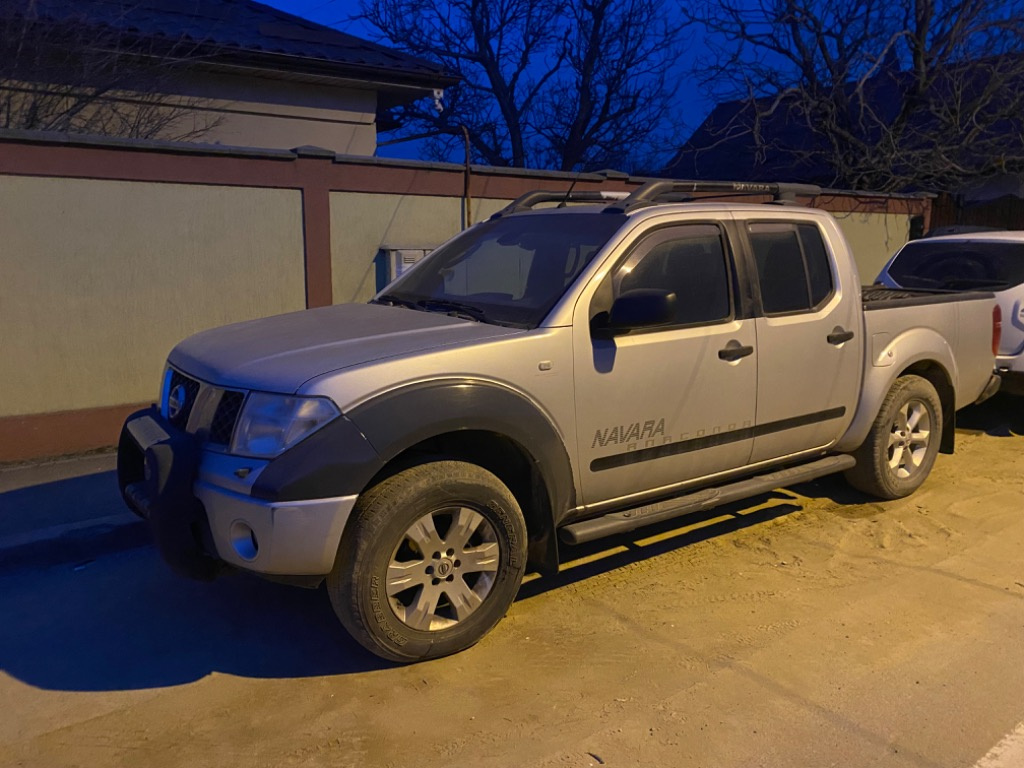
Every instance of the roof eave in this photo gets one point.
(383, 78)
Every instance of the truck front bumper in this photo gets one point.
(200, 520)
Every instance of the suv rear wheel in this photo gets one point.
(430, 561)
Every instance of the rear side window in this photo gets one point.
(958, 264)
(793, 266)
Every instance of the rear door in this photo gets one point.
(808, 338)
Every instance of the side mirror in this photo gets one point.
(633, 310)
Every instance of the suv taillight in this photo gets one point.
(997, 328)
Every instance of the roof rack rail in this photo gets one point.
(666, 191)
(531, 199)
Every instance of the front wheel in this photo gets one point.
(901, 447)
(431, 560)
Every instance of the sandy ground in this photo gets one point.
(807, 628)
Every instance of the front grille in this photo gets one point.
(201, 409)
(226, 415)
(191, 389)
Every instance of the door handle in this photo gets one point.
(733, 353)
(839, 336)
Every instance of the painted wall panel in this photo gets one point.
(361, 224)
(99, 279)
(874, 237)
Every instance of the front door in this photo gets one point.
(664, 405)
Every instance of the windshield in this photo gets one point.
(958, 265)
(509, 271)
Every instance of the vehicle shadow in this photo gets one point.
(609, 554)
(58, 502)
(999, 416)
(126, 622)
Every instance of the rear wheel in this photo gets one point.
(901, 447)
(430, 562)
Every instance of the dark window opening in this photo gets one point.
(689, 261)
(793, 267)
(958, 265)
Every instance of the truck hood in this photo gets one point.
(281, 353)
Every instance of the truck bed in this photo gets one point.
(963, 320)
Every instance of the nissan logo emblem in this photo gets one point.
(176, 401)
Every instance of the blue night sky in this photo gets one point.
(336, 13)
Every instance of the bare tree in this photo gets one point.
(874, 94)
(581, 84)
(71, 75)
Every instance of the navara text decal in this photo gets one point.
(687, 442)
(629, 433)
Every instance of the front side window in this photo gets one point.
(793, 267)
(510, 271)
(689, 261)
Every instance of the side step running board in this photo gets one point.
(635, 517)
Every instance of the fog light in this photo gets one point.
(243, 539)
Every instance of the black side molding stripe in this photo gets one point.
(711, 441)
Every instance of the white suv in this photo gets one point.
(991, 261)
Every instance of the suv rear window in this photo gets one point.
(958, 265)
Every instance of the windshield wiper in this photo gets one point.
(454, 308)
(448, 306)
(395, 301)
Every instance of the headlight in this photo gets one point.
(269, 424)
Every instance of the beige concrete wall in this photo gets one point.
(213, 108)
(257, 111)
(99, 279)
(239, 129)
(362, 223)
(874, 237)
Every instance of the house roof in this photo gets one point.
(787, 147)
(723, 147)
(246, 33)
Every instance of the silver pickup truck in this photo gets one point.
(559, 372)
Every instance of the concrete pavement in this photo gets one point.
(64, 510)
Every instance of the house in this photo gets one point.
(232, 72)
(961, 136)
(725, 146)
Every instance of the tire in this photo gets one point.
(901, 447)
(436, 524)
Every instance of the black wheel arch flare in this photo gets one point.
(342, 458)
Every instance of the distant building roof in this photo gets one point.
(242, 33)
(775, 139)
(724, 147)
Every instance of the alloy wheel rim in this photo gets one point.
(909, 439)
(443, 568)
